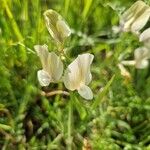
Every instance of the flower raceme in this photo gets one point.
(77, 75)
(56, 25)
(52, 66)
(135, 18)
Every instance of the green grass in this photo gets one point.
(118, 116)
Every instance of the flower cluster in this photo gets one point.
(77, 75)
(134, 20)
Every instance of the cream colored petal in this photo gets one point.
(141, 21)
(126, 26)
(56, 26)
(63, 28)
(55, 66)
(142, 64)
(145, 35)
(85, 92)
(72, 76)
(43, 77)
(51, 18)
(133, 11)
(84, 62)
(78, 72)
(42, 52)
(130, 16)
(141, 53)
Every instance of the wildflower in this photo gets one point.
(56, 26)
(145, 37)
(141, 56)
(135, 18)
(52, 66)
(77, 76)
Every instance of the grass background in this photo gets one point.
(117, 118)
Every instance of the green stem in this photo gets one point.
(70, 123)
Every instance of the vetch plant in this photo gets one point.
(135, 18)
(77, 75)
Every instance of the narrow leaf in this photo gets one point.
(102, 93)
(80, 108)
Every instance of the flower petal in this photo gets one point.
(78, 72)
(72, 76)
(43, 77)
(63, 28)
(55, 66)
(51, 17)
(85, 92)
(42, 52)
(56, 26)
(145, 35)
(142, 64)
(135, 17)
(141, 21)
(84, 62)
(141, 53)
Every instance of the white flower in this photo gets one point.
(52, 66)
(77, 76)
(141, 56)
(145, 37)
(135, 18)
(56, 26)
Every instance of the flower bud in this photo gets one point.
(56, 25)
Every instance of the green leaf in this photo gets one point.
(5, 127)
(79, 107)
(102, 93)
(86, 9)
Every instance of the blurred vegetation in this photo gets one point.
(118, 116)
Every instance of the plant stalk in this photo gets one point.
(70, 124)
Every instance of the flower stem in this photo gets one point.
(52, 93)
(128, 62)
(70, 124)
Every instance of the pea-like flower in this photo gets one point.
(77, 76)
(56, 25)
(135, 18)
(145, 37)
(52, 66)
(141, 56)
